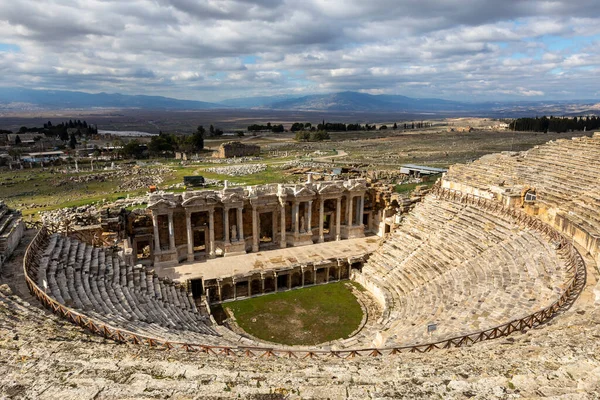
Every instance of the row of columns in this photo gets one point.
(359, 210)
(256, 224)
(263, 276)
(157, 244)
(211, 230)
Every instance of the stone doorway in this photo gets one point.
(282, 282)
(269, 284)
(242, 289)
(329, 226)
(308, 277)
(200, 241)
(256, 289)
(296, 279)
(197, 288)
(226, 292)
(266, 233)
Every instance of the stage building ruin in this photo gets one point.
(196, 225)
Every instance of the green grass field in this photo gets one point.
(306, 316)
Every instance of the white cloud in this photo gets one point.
(209, 49)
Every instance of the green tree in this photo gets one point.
(198, 138)
(17, 140)
(160, 144)
(133, 149)
(302, 136)
(72, 141)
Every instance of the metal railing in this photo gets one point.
(571, 290)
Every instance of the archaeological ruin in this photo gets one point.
(237, 149)
(504, 245)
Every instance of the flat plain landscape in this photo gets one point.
(39, 189)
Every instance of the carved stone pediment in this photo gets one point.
(356, 185)
(201, 199)
(330, 189)
(303, 191)
(232, 197)
(162, 203)
(164, 200)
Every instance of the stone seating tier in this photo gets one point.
(96, 282)
(461, 268)
(564, 173)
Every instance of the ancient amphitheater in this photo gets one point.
(487, 289)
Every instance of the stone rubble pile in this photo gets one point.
(238, 170)
(88, 214)
(306, 164)
(131, 178)
(69, 216)
(234, 160)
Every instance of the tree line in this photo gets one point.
(555, 124)
(268, 127)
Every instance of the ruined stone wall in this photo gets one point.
(237, 149)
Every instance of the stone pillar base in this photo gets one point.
(235, 249)
(302, 239)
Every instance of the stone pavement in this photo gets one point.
(269, 260)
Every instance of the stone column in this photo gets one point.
(296, 218)
(226, 224)
(314, 275)
(240, 223)
(339, 271)
(361, 210)
(250, 287)
(302, 268)
(338, 218)
(275, 281)
(274, 224)
(289, 281)
(211, 233)
(190, 236)
(349, 210)
(309, 217)
(171, 232)
(262, 283)
(321, 217)
(234, 283)
(283, 238)
(327, 274)
(156, 234)
(219, 289)
(255, 231)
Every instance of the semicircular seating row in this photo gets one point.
(565, 174)
(461, 268)
(96, 282)
(458, 266)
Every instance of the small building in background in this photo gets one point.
(237, 149)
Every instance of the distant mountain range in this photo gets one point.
(354, 101)
(28, 99)
(64, 99)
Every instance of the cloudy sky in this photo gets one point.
(215, 49)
